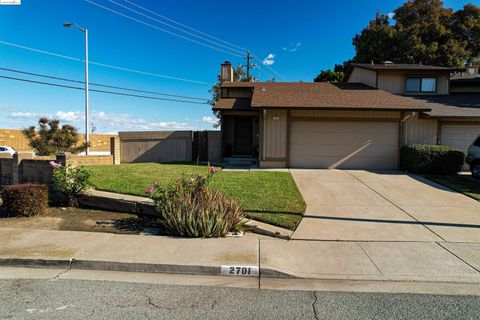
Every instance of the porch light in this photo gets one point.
(275, 118)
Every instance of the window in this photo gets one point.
(2, 149)
(421, 85)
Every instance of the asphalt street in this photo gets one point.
(79, 299)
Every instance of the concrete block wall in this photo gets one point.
(6, 170)
(16, 139)
(91, 160)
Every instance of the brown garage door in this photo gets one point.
(344, 145)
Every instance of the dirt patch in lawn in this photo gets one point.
(79, 219)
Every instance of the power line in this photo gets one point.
(271, 68)
(183, 25)
(100, 85)
(99, 91)
(176, 28)
(100, 64)
(161, 29)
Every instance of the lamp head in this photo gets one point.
(67, 24)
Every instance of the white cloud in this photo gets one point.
(126, 122)
(292, 47)
(23, 115)
(209, 120)
(391, 15)
(111, 122)
(68, 116)
(269, 60)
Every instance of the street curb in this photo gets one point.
(34, 263)
(130, 267)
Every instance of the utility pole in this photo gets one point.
(248, 64)
(85, 31)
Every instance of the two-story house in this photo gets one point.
(453, 96)
(360, 124)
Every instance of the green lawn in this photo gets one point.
(460, 183)
(267, 196)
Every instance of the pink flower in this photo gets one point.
(54, 164)
(149, 190)
(155, 183)
(214, 169)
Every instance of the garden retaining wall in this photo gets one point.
(25, 167)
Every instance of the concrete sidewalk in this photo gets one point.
(276, 258)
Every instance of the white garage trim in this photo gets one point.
(344, 144)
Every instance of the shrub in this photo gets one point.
(70, 180)
(191, 208)
(433, 159)
(25, 199)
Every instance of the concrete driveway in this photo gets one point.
(356, 205)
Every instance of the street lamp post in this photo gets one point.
(85, 31)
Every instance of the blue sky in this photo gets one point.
(297, 38)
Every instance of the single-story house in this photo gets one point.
(353, 125)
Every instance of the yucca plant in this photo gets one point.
(190, 208)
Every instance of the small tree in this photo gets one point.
(70, 180)
(329, 76)
(50, 138)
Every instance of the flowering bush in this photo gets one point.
(70, 180)
(190, 207)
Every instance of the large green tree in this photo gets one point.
(50, 138)
(424, 31)
(466, 26)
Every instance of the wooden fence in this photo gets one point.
(170, 146)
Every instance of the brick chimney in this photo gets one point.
(226, 72)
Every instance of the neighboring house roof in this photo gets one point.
(400, 66)
(318, 95)
(455, 105)
(473, 78)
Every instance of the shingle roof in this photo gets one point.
(400, 66)
(455, 105)
(320, 95)
(233, 104)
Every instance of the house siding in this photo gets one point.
(345, 114)
(394, 81)
(421, 131)
(365, 76)
(275, 135)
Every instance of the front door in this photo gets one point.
(243, 136)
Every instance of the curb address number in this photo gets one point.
(245, 271)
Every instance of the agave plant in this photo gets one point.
(191, 208)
